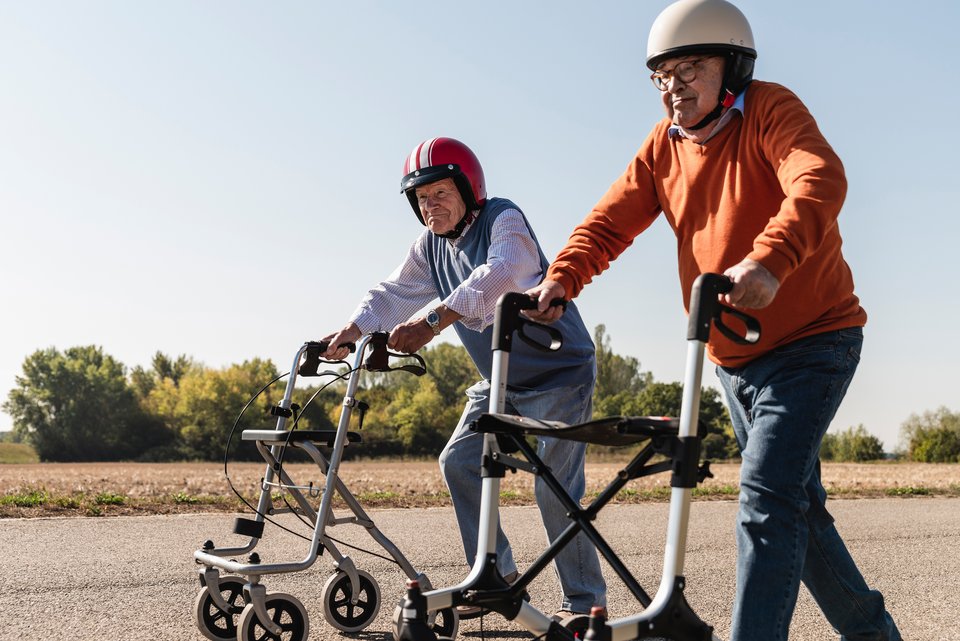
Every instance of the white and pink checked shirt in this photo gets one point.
(512, 265)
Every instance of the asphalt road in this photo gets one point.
(134, 577)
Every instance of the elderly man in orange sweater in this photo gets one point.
(753, 190)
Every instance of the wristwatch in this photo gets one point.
(433, 320)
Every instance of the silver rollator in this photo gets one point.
(667, 614)
(237, 606)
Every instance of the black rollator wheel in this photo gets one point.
(284, 610)
(214, 623)
(444, 623)
(338, 606)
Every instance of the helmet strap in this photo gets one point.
(732, 66)
(460, 226)
(725, 101)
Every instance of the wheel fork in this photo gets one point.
(210, 579)
(257, 595)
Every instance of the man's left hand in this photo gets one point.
(754, 286)
(410, 336)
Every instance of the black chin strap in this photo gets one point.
(458, 229)
(725, 100)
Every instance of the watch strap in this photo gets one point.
(433, 320)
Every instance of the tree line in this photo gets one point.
(81, 404)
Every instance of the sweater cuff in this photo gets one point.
(775, 262)
(568, 282)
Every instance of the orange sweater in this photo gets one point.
(767, 186)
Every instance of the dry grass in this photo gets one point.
(93, 489)
(17, 453)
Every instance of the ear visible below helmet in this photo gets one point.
(439, 158)
(715, 27)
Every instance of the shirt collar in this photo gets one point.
(737, 105)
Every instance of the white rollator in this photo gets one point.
(237, 605)
(667, 614)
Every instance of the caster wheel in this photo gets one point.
(338, 609)
(214, 623)
(284, 610)
(445, 623)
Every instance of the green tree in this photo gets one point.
(76, 405)
(203, 408)
(852, 445)
(143, 380)
(416, 415)
(452, 371)
(377, 390)
(665, 399)
(423, 420)
(937, 446)
(616, 375)
(315, 414)
(933, 437)
(623, 390)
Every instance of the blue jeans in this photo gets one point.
(577, 565)
(781, 405)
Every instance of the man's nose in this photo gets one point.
(674, 83)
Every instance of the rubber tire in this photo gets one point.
(285, 610)
(446, 623)
(207, 615)
(337, 609)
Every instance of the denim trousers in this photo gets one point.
(781, 405)
(577, 565)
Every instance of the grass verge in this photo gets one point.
(17, 454)
(37, 501)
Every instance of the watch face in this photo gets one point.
(433, 318)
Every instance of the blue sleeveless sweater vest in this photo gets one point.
(529, 368)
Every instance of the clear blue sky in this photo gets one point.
(221, 179)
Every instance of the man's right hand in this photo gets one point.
(349, 334)
(754, 287)
(544, 293)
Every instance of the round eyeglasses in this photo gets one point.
(685, 71)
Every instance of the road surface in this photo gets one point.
(134, 577)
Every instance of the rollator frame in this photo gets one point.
(667, 614)
(271, 445)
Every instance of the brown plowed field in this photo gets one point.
(94, 489)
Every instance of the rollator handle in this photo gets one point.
(323, 345)
(378, 359)
(311, 361)
(508, 320)
(706, 308)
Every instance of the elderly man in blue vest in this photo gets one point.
(474, 250)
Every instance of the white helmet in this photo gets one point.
(690, 27)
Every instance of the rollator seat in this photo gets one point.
(612, 430)
(281, 437)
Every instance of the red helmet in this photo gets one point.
(439, 158)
